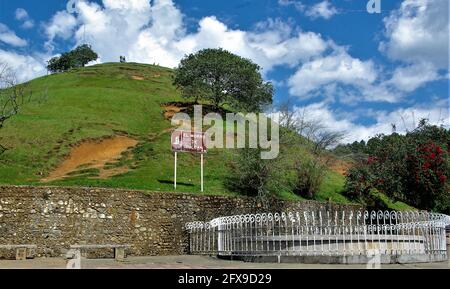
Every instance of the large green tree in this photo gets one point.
(78, 57)
(223, 78)
(83, 54)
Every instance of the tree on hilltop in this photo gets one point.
(78, 57)
(223, 78)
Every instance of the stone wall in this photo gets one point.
(54, 218)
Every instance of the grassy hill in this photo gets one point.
(82, 113)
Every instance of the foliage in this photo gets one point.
(427, 185)
(411, 168)
(356, 150)
(309, 173)
(83, 54)
(301, 166)
(359, 181)
(300, 129)
(78, 57)
(223, 78)
(249, 174)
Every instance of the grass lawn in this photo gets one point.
(331, 188)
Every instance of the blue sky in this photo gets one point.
(355, 72)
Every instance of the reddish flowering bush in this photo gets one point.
(413, 168)
(428, 168)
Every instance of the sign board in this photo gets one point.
(188, 141)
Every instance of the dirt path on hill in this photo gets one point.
(94, 154)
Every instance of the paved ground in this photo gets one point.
(190, 262)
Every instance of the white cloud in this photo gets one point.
(418, 35)
(156, 34)
(404, 118)
(26, 67)
(411, 77)
(61, 25)
(285, 2)
(127, 4)
(418, 32)
(273, 44)
(338, 68)
(28, 24)
(297, 4)
(323, 9)
(22, 15)
(380, 92)
(9, 37)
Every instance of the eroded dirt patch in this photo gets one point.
(94, 155)
(171, 109)
(137, 77)
(341, 166)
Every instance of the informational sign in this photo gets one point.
(188, 141)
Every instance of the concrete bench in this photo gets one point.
(23, 251)
(119, 250)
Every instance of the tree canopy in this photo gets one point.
(78, 57)
(223, 78)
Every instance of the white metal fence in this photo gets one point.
(321, 233)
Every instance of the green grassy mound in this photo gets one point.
(106, 100)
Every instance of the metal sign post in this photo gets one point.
(175, 173)
(201, 172)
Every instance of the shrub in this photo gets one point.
(249, 174)
(309, 174)
(359, 181)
